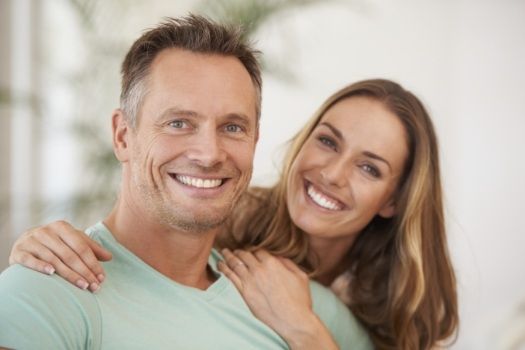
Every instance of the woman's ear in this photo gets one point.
(121, 131)
(389, 209)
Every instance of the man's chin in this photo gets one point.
(196, 224)
(201, 225)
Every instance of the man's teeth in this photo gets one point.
(321, 199)
(200, 183)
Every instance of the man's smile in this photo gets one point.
(201, 185)
(197, 181)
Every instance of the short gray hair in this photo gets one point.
(193, 33)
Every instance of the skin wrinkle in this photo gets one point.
(155, 134)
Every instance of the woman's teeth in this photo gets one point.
(322, 200)
(197, 182)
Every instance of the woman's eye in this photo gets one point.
(327, 142)
(371, 170)
(177, 124)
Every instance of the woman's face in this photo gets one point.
(348, 169)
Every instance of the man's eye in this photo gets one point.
(233, 128)
(177, 124)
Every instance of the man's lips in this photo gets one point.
(322, 199)
(199, 182)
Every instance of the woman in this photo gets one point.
(358, 205)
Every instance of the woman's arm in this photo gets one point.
(60, 247)
(278, 294)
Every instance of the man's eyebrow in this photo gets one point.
(178, 112)
(239, 118)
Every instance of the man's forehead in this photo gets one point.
(202, 83)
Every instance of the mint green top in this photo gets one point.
(139, 308)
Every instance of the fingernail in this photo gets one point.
(94, 287)
(49, 270)
(82, 284)
(101, 278)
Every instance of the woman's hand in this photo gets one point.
(278, 293)
(60, 247)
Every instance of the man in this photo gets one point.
(185, 136)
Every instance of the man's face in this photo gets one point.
(190, 156)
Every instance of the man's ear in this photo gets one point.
(121, 133)
(389, 209)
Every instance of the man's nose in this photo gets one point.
(207, 149)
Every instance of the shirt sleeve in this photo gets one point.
(46, 312)
(344, 327)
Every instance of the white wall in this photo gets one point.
(465, 59)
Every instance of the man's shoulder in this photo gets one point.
(325, 302)
(45, 311)
(19, 278)
(23, 285)
(345, 328)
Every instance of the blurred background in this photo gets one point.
(59, 81)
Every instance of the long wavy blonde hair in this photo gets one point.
(403, 287)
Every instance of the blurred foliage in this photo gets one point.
(250, 14)
(4, 96)
(8, 98)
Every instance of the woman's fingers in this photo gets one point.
(40, 251)
(101, 253)
(87, 252)
(66, 254)
(29, 261)
(266, 258)
(60, 247)
(247, 258)
(263, 255)
(223, 267)
(235, 263)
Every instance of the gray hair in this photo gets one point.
(192, 33)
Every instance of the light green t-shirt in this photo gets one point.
(139, 308)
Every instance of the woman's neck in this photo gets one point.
(331, 253)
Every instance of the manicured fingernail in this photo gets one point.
(82, 284)
(101, 278)
(49, 270)
(94, 287)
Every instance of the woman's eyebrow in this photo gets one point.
(375, 156)
(341, 137)
(336, 131)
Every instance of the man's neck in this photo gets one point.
(179, 255)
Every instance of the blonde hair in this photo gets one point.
(403, 286)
